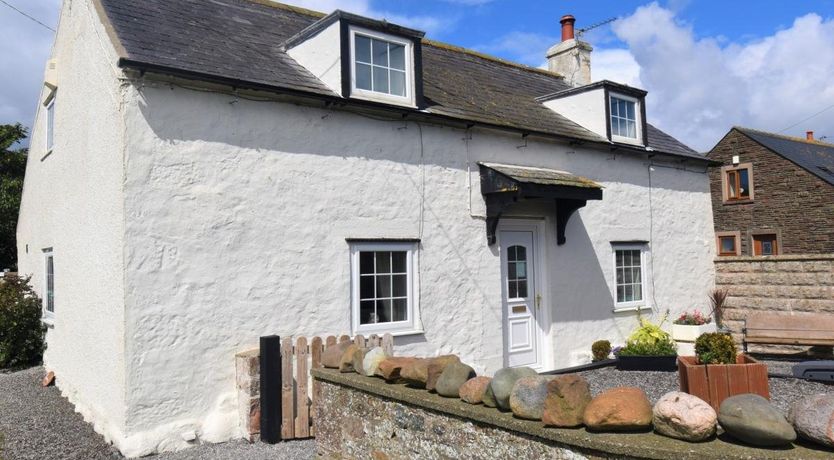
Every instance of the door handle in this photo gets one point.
(538, 300)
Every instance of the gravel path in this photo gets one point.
(783, 391)
(37, 423)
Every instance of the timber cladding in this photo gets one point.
(774, 284)
(787, 199)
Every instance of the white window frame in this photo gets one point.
(48, 315)
(644, 275)
(408, 99)
(637, 120)
(413, 311)
(49, 123)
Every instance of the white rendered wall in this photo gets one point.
(586, 109)
(73, 202)
(236, 219)
(321, 55)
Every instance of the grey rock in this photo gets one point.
(489, 397)
(503, 382)
(452, 378)
(528, 395)
(813, 418)
(752, 419)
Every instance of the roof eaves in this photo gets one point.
(629, 90)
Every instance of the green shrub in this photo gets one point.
(649, 339)
(715, 348)
(21, 330)
(601, 349)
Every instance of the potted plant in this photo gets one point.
(717, 297)
(648, 348)
(688, 327)
(717, 371)
(600, 350)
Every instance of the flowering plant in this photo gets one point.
(695, 318)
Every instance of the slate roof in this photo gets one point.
(240, 41)
(814, 156)
(543, 176)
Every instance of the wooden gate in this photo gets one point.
(286, 397)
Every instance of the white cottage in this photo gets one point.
(205, 173)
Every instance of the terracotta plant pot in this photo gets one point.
(716, 382)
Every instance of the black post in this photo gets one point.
(270, 363)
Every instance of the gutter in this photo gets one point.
(143, 68)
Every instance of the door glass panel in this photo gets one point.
(517, 272)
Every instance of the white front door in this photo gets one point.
(522, 329)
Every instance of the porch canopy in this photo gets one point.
(503, 185)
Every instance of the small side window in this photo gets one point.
(728, 243)
(765, 244)
(629, 272)
(49, 284)
(737, 183)
(50, 124)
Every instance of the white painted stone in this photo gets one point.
(185, 227)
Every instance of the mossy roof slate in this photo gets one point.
(241, 41)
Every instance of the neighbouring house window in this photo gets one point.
(517, 272)
(624, 117)
(50, 124)
(738, 183)
(381, 67)
(629, 266)
(49, 283)
(383, 278)
(765, 244)
(728, 243)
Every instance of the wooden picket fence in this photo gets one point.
(297, 400)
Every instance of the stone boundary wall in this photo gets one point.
(367, 418)
(775, 284)
(248, 384)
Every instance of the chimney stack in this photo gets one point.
(809, 135)
(571, 58)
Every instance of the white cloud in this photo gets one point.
(616, 65)
(24, 49)
(700, 87)
(432, 25)
(524, 47)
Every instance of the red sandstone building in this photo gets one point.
(772, 194)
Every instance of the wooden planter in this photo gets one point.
(716, 382)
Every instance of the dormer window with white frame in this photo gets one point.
(381, 67)
(626, 125)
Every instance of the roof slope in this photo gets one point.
(814, 156)
(240, 40)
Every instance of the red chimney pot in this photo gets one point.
(567, 22)
(809, 135)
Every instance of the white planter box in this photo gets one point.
(687, 333)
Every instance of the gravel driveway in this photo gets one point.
(37, 423)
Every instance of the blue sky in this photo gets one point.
(708, 65)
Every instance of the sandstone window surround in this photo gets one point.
(737, 183)
(728, 243)
(384, 284)
(766, 242)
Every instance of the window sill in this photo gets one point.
(731, 202)
(48, 321)
(632, 308)
(393, 333)
(46, 155)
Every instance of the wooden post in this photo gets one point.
(388, 344)
(316, 349)
(302, 419)
(287, 404)
(270, 363)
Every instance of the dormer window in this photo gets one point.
(625, 124)
(381, 67)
